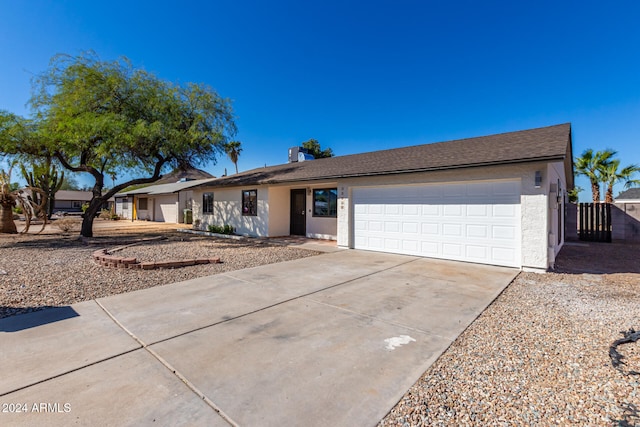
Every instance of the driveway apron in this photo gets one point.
(334, 339)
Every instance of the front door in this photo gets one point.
(298, 208)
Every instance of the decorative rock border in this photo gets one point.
(105, 259)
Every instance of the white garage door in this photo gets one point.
(475, 222)
(166, 209)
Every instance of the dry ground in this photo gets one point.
(52, 269)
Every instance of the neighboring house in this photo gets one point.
(162, 203)
(71, 201)
(496, 199)
(625, 216)
(632, 195)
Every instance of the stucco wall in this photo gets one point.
(320, 227)
(279, 213)
(556, 183)
(533, 202)
(227, 209)
(124, 213)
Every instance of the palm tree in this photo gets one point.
(233, 150)
(592, 165)
(611, 176)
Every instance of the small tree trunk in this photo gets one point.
(608, 197)
(87, 217)
(595, 190)
(6, 219)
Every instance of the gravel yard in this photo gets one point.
(539, 355)
(37, 271)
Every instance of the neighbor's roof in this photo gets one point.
(552, 143)
(74, 195)
(166, 188)
(179, 174)
(630, 194)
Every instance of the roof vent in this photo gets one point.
(304, 156)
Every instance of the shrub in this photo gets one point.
(67, 225)
(17, 210)
(219, 229)
(105, 214)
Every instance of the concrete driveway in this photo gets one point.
(335, 339)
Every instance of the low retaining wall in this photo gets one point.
(105, 259)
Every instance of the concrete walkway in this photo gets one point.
(335, 339)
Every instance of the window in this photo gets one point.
(250, 202)
(325, 202)
(207, 203)
(142, 204)
(125, 203)
(76, 204)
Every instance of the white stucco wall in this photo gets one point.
(120, 211)
(533, 202)
(227, 209)
(321, 227)
(279, 202)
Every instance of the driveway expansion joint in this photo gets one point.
(171, 369)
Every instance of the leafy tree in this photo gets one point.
(70, 183)
(313, 146)
(591, 165)
(573, 194)
(43, 174)
(233, 150)
(102, 118)
(611, 176)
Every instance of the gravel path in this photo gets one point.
(52, 270)
(539, 355)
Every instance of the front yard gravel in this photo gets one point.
(539, 355)
(53, 270)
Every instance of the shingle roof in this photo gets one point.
(541, 144)
(166, 188)
(630, 194)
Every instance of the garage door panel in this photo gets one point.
(477, 252)
(478, 222)
(478, 231)
(503, 232)
(453, 210)
(391, 226)
(430, 228)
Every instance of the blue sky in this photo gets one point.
(361, 75)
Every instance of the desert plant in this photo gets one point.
(67, 225)
(10, 198)
(196, 224)
(221, 229)
(105, 214)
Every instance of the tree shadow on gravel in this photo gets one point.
(598, 258)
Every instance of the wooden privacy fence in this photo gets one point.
(594, 222)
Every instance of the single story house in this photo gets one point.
(71, 201)
(162, 202)
(496, 199)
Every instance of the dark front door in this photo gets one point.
(298, 208)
